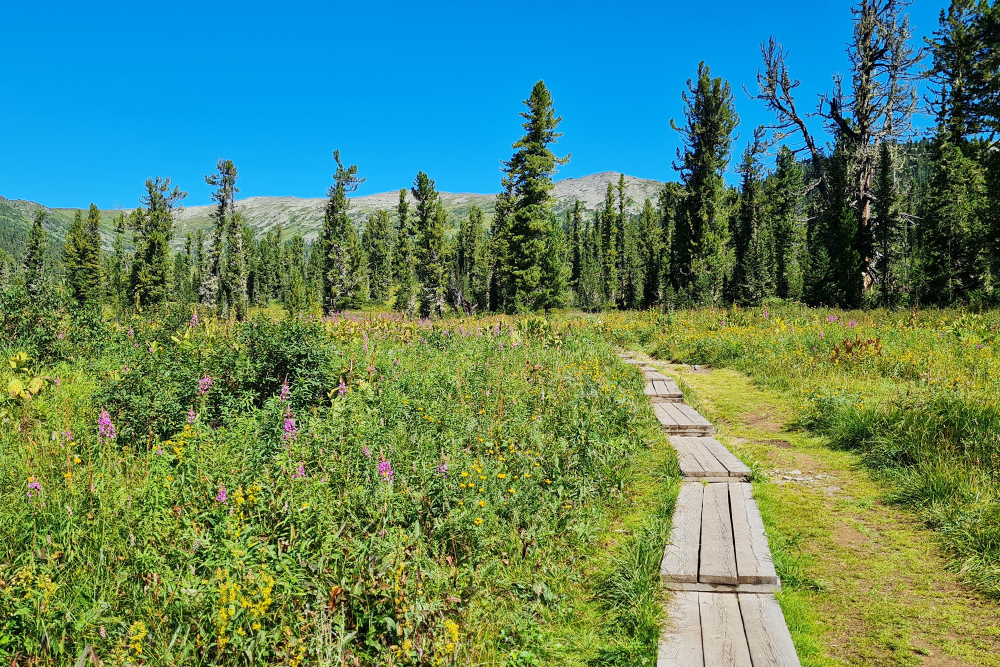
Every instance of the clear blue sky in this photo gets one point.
(96, 97)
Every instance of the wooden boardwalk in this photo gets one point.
(722, 610)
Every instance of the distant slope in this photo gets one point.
(298, 215)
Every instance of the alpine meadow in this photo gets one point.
(743, 415)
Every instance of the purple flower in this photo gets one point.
(105, 429)
(496, 329)
(940, 335)
(194, 319)
(222, 497)
(371, 370)
(395, 362)
(34, 485)
(68, 436)
(130, 332)
(853, 324)
(765, 314)
(59, 335)
(821, 334)
(204, 385)
(385, 470)
(159, 451)
(367, 452)
(831, 318)
(285, 392)
(58, 381)
(342, 389)
(979, 347)
(300, 471)
(290, 430)
(191, 416)
(442, 469)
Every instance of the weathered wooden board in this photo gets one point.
(723, 640)
(767, 634)
(655, 375)
(708, 465)
(692, 414)
(688, 463)
(735, 467)
(681, 640)
(753, 557)
(680, 558)
(718, 556)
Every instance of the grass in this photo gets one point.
(353, 490)
(863, 581)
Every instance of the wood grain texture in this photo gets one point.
(665, 416)
(680, 558)
(723, 640)
(692, 414)
(688, 463)
(718, 557)
(681, 640)
(753, 556)
(726, 458)
(767, 634)
(710, 466)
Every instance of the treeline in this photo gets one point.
(875, 216)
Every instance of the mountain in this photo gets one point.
(299, 215)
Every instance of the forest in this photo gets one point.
(892, 211)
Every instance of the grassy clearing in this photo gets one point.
(864, 582)
(354, 490)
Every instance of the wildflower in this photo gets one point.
(159, 451)
(496, 329)
(367, 452)
(342, 389)
(34, 485)
(204, 385)
(478, 521)
(222, 497)
(442, 469)
(482, 503)
(821, 334)
(300, 471)
(371, 370)
(979, 347)
(385, 470)
(395, 362)
(194, 319)
(105, 429)
(291, 432)
(191, 416)
(285, 392)
(58, 381)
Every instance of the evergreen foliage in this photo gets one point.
(152, 226)
(344, 266)
(378, 243)
(37, 248)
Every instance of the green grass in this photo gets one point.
(529, 495)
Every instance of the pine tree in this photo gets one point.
(35, 255)
(470, 258)
(152, 228)
(430, 250)
(701, 237)
(405, 262)
(753, 270)
(576, 229)
(785, 195)
(378, 243)
(523, 220)
(649, 234)
(611, 251)
(345, 271)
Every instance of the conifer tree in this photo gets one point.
(611, 251)
(345, 270)
(576, 230)
(152, 228)
(701, 237)
(649, 235)
(35, 255)
(753, 271)
(835, 263)
(430, 251)
(405, 262)
(470, 257)
(785, 194)
(378, 243)
(887, 227)
(524, 220)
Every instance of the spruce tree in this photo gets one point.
(523, 220)
(470, 258)
(35, 255)
(785, 195)
(378, 243)
(407, 286)
(345, 271)
(887, 227)
(611, 251)
(701, 236)
(649, 235)
(430, 251)
(835, 263)
(753, 274)
(152, 228)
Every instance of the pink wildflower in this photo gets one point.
(105, 429)
(222, 497)
(204, 385)
(385, 470)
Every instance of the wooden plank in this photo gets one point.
(753, 557)
(692, 414)
(664, 388)
(680, 558)
(650, 389)
(767, 634)
(680, 417)
(680, 641)
(710, 466)
(723, 640)
(662, 414)
(718, 558)
(726, 457)
(701, 586)
(688, 463)
(654, 375)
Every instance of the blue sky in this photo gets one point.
(95, 98)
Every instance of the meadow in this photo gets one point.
(914, 393)
(348, 490)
